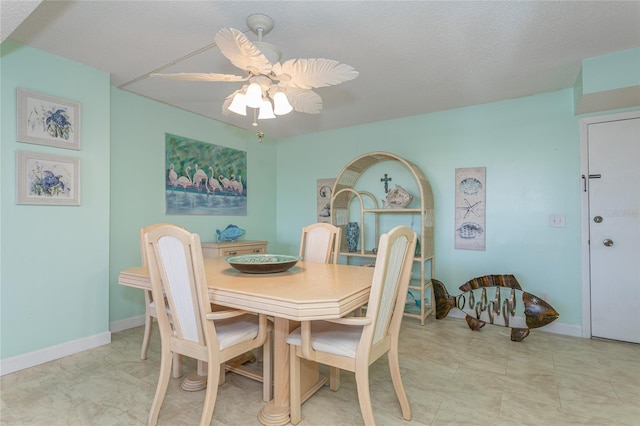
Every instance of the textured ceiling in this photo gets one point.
(413, 57)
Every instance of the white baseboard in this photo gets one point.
(555, 327)
(41, 356)
(126, 324)
(562, 328)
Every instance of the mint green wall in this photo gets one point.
(59, 265)
(54, 274)
(530, 147)
(613, 71)
(138, 127)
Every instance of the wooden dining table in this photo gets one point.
(307, 291)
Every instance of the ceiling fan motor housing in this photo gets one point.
(260, 24)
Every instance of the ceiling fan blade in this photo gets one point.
(241, 52)
(313, 73)
(201, 76)
(304, 100)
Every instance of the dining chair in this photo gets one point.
(354, 343)
(179, 284)
(150, 306)
(320, 243)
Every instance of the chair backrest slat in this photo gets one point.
(390, 282)
(176, 268)
(180, 288)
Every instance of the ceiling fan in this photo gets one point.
(287, 84)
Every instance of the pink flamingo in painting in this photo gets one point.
(226, 183)
(173, 176)
(198, 177)
(184, 181)
(213, 182)
(237, 184)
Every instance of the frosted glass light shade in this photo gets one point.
(239, 104)
(254, 95)
(266, 111)
(281, 104)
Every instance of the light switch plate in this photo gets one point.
(556, 220)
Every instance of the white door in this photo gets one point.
(614, 228)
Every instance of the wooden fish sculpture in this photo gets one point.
(495, 299)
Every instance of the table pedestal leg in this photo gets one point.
(196, 381)
(276, 412)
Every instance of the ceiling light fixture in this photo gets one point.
(273, 88)
(266, 110)
(239, 104)
(257, 95)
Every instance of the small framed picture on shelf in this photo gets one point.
(46, 120)
(46, 179)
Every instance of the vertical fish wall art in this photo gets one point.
(498, 300)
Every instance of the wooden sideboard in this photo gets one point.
(233, 248)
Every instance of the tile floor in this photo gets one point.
(451, 374)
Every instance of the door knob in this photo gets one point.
(597, 219)
(608, 242)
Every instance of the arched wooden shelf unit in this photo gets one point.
(344, 194)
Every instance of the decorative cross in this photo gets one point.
(386, 180)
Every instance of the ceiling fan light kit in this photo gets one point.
(253, 97)
(281, 105)
(239, 104)
(288, 85)
(266, 111)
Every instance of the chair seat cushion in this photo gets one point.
(329, 337)
(236, 330)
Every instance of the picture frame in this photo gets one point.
(46, 179)
(202, 178)
(47, 120)
(323, 199)
(470, 213)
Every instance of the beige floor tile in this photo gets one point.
(452, 375)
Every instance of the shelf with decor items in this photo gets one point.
(350, 203)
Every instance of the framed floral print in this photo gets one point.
(47, 179)
(46, 120)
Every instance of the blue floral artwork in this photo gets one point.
(204, 179)
(47, 179)
(46, 120)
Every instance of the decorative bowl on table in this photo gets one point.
(262, 263)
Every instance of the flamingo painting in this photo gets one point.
(202, 169)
